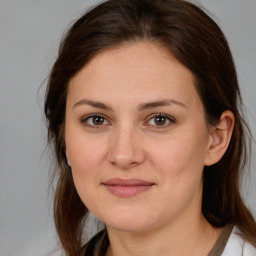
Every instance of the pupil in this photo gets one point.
(160, 120)
(98, 120)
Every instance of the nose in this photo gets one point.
(126, 150)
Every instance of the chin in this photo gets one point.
(129, 227)
(128, 221)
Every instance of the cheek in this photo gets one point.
(85, 153)
(86, 156)
(181, 156)
(86, 161)
(179, 165)
(179, 152)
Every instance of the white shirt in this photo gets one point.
(236, 246)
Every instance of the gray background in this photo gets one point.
(30, 31)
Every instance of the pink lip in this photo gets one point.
(127, 187)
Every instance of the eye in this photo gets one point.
(95, 121)
(160, 120)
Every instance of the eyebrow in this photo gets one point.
(160, 103)
(92, 103)
(141, 107)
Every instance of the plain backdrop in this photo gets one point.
(30, 32)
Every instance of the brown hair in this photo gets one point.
(195, 40)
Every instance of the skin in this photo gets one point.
(118, 84)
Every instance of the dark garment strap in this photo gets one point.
(219, 246)
(97, 246)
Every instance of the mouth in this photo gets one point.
(127, 187)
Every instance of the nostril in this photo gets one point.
(123, 164)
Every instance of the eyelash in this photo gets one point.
(170, 120)
(167, 118)
(86, 118)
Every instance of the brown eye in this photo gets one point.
(95, 121)
(160, 120)
(98, 120)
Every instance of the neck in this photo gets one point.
(195, 237)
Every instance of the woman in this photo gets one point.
(143, 110)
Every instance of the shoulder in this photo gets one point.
(237, 246)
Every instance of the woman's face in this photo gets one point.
(136, 138)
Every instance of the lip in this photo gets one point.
(127, 187)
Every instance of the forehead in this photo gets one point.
(137, 70)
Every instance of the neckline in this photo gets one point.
(99, 244)
(220, 244)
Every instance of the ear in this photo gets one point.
(220, 136)
(68, 161)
